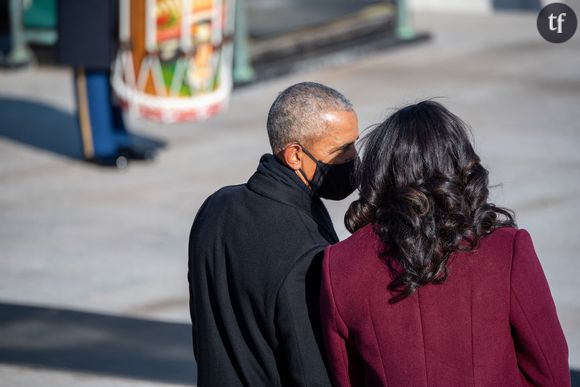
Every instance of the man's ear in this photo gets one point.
(291, 156)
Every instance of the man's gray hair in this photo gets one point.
(296, 114)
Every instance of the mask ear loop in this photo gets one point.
(305, 178)
(308, 153)
(313, 159)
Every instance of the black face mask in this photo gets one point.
(332, 181)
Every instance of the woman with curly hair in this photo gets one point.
(436, 286)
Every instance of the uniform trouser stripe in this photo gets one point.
(84, 114)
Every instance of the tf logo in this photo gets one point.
(557, 22)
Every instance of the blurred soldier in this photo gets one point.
(255, 249)
(88, 41)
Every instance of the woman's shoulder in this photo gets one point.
(355, 252)
(493, 253)
(360, 239)
(507, 231)
(500, 238)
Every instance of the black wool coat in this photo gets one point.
(255, 253)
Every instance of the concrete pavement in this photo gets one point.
(77, 237)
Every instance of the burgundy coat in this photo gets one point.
(492, 323)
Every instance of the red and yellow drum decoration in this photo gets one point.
(175, 59)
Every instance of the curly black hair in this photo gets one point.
(423, 188)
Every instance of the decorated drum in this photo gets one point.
(174, 61)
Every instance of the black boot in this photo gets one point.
(137, 153)
(118, 160)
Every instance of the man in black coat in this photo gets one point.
(255, 249)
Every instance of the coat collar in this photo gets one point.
(275, 180)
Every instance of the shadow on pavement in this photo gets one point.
(96, 343)
(48, 128)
